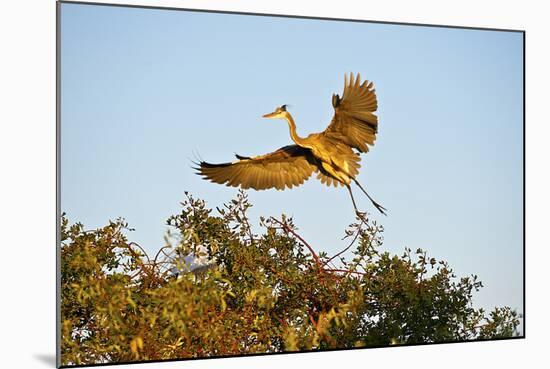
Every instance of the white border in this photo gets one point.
(27, 187)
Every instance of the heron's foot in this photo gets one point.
(380, 208)
(361, 215)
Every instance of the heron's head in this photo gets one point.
(279, 113)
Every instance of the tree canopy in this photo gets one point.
(262, 293)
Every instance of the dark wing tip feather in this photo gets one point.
(196, 166)
(202, 168)
(335, 100)
(205, 165)
(240, 157)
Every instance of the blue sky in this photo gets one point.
(143, 89)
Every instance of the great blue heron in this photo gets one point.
(333, 154)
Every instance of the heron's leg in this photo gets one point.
(352, 199)
(377, 205)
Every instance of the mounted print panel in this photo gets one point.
(237, 184)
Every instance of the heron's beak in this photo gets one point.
(270, 115)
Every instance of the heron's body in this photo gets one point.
(333, 154)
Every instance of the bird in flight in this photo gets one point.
(332, 154)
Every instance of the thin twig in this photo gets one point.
(344, 250)
(148, 268)
(141, 248)
(288, 229)
(357, 233)
(159, 251)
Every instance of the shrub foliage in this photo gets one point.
(263, 293)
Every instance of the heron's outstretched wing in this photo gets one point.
(354, 122)
(289, 166)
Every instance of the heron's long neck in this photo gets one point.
(299, 140)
